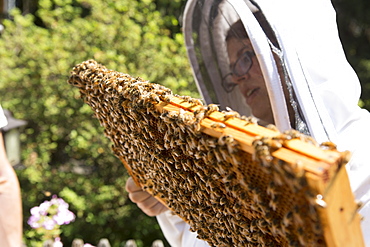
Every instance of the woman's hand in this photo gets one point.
(146, 202)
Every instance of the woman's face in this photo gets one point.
(252, 85)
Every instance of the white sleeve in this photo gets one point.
(177, 232)
(3, 121)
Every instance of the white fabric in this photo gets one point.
(215, 59)
(267, 64)
(327, 89)
(177, 231)
(3, 120)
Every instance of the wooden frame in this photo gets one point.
(308, 182)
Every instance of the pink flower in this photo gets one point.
(49, 224)
(33, 221)
(64, 217)
(43, 208)
(50, 214)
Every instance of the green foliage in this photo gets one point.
(172, 13)
(354, 29)
(64, 149)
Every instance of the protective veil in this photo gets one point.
(322, 89)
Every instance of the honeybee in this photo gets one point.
(186, 117)
(225, 140)
(230, 114)
(154, 98)
(149, 185)
(328, 145)
(262, 153)
(211, 143)
(256, 197)
(223, 200)
(166, 97)
(211, 108)
(272, 127)
(195, 101)
(184, 98)
(163, 90)
(249, 120)
(231, 176)
(234, 159)
(200, 114)
(218, 156)
(297, 218)
(216, 125)
(169, 116)
(271, 190)
(273, 205)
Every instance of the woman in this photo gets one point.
(298, 77)
(10, 199)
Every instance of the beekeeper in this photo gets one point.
(282, 62)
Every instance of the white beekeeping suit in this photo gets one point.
(3, 120)
(324, 88)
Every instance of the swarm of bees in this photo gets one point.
(228, 196)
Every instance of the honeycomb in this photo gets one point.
(231, 190)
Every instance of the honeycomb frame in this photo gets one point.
(236, 183)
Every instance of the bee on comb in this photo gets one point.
(235, 183)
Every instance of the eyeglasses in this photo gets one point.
(239, 68)
(243, 64)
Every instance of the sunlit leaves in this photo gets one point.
(64, 148)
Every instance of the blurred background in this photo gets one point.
(63, 149)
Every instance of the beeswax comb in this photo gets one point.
(235, 183)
